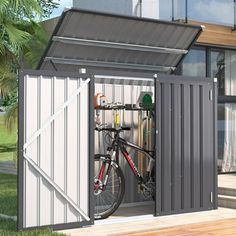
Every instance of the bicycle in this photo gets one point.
(109, 181)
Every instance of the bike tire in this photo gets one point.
(106, 213)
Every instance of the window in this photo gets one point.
(194, 63)
(227, 137)
(217, 68)
(212, 11)
(223, 67)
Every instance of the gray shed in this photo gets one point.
(122, 55)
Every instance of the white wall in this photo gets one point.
(150, 8)
(112, 6)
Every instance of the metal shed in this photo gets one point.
(56, 117)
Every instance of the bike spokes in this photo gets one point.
(109, 191)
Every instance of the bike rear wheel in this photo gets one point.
(107, 197)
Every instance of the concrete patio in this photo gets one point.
(227, 190)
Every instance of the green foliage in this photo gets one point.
(8, 81)
(48, 6)
(35, 47)
(7, 142)
(10, 98)
(21, 39)
(14, 14)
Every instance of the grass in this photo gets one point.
(7, 142)
(8, 228)
(8, 201)
(8, 205)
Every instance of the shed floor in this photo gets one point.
(138, 210)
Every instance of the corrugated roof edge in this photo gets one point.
(132, 17)
(200, 28)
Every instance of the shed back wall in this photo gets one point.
(126, 94)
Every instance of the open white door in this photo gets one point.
(55, 171)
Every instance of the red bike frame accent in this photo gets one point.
(131, 163)
(102, 171)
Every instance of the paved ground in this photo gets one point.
(131, 225)
(8, 167)
(216, 228)
(227, 181)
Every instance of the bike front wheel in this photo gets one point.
(109, 191)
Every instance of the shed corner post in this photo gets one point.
(215, 140)
(20, 163)
(157, 87)
(91, 146)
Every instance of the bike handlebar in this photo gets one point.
(112, 129)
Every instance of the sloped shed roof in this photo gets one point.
(100, 40)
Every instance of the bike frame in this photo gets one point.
(122, 144)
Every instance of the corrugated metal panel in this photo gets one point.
(55, 181)
(125, 90)
(185, 147)
(93, 39)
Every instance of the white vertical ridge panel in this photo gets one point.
(72, 157)
(78, 147)
(45, 151)
(117, 97)
(31, 180)
(135, 134)
(59, 151)
(108, 91)
(98, 147)
(66, 84)
(84, 149)
(52, 145)
(128, 122)
(118, 93)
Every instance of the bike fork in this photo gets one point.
(104, 176)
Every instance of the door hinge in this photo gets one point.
(211, 197)
(210, 94)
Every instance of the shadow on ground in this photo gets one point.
(7, 148)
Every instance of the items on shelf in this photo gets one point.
(145, 100)
(128, 107)
(100, 100)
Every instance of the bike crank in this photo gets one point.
(148, 189)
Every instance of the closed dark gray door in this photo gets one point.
(186, 170)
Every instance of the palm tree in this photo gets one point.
(17, 32)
